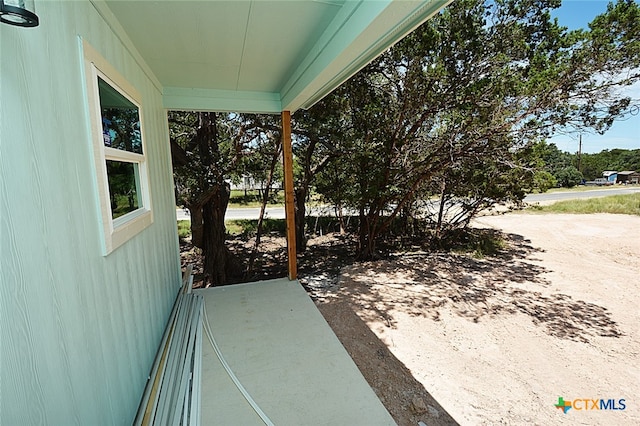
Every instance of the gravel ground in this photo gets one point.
(446, 338)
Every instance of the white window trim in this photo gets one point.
(117, 231)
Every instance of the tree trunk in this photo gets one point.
(368, 235)
(220, 266)
(340, 215)
(263, 206)
(197, 225)
(206, 194)
(443, 200)
(362, 231)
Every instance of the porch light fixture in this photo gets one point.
(18, 12)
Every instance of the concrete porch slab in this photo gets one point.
(285, 355)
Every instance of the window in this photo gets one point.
(117, 134)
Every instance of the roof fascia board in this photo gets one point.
(105, 12)
(194, 99)
(351, 21)
(354, 39)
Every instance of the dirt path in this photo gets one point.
(498, 340)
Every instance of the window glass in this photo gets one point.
(120, 120)
(124, 181)
(118, 141)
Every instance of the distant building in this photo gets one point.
(246, 183)
(628, 177)
(610, 176)
(249, 183)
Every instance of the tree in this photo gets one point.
(204, 149)
(317, 137)
(314, 137)
(265, 165)
(569, 177)
(558, 163)
(616, 159)
(469, 187)
(469, 92)
(543, 180)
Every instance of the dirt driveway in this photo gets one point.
(452, 338)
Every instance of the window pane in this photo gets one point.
(120, 120)
(124, 187)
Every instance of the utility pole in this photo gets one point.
(580, 154)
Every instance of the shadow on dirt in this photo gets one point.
(325, 255)
(406, 399)
(422, 283)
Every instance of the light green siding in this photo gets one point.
(78, 330)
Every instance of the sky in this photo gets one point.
(624, 134)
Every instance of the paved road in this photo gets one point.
(278, 212)
(570, 195)
(241, 213)
(254, 212)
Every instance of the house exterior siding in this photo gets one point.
(78, 330)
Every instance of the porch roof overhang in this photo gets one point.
(262, 56)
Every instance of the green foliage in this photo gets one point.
(260, 136)
(184, 228)
(543, 181)
(234, 228)
(616, 159)
(247, 228)
(554, 159)
(591, 165)
(240, 199)
(479, 242)
(238, 147)
(123, 190)
(122, 128)
(458, 107)
(568, 177)
(208, 149)
(455, 111)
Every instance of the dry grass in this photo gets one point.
(615, 204)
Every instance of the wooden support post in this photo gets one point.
(289, 203)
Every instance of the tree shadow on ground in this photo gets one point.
(324, 255)
(421, 284)
(405, 398)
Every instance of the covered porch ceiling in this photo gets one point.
(263, 56)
